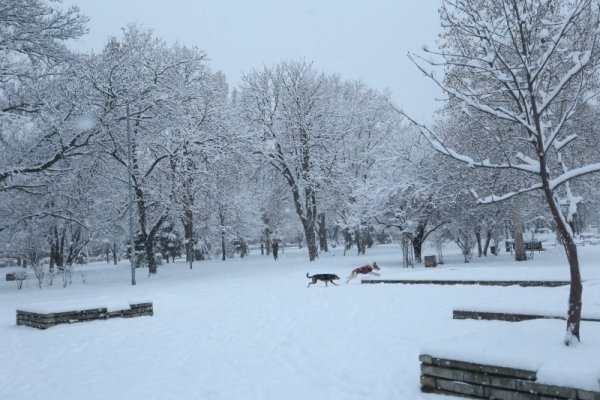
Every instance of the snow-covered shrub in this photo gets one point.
(66, 276)
(466, 242)
(38, 271)
(20, 276)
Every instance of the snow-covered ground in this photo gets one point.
(250, 329)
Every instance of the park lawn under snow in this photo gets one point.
(250, 329)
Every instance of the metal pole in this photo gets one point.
(130, 168)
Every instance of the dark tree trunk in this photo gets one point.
(347, 240)
(268, 241)
(478, 238)
(51, 266)
(308, 213)
(358, 241)
(417, 241)
(108, 254)
(368, 239)
(488, 238)
(188, 233)
(575, 225)
(223, 246)
(222, 220)
(147, 237)
(418, 248)
(188, 204)
(576, 289)
(335, 235)
(149, 249)
(322, 233)
(520, 253)
(143, 233)
(57, 247)
(152, 267)
(74, 246)
(311, 242)
(114, 251)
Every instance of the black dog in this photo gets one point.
(322, 277)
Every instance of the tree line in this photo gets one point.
(292, 153)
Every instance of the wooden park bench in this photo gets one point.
(531, 245)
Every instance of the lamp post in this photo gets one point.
(130, 169)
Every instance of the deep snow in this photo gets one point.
(250, 329)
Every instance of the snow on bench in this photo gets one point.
(510, 316)
(516, 361)
(467, 282)
(43, 316)
(488, 381)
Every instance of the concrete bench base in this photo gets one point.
(44, 321)
(459, 378)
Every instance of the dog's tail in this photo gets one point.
(308, 276)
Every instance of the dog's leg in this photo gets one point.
(375, 273)
(352, 276)
(310, 283)
(333, 282)
(325, 283)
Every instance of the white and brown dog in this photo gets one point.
(366, 269)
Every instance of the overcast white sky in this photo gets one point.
(365, 40)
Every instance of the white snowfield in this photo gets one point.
(250, 329)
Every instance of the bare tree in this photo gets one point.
(528, 67)
(33, 53)
(287, 112)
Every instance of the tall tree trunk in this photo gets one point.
(566, 234)
(307, 214)
(149, 249)
(347, 240)
(107, 253)
(322, 233)
(147, 237)
(335, 235)
(57, 238)
(358, 240)
(520, 253)
(188, 233)
(368, 238)
(417, 241)
(51, 266)
(268, 241)
(188, 204)
(311, 241)
(152, 267)
(143, 235)
(417, 244)
(114, 251)
(478, 238)
(576, 289)
(74, 246)
(222, 220)
(311, 216)
(488, 238)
